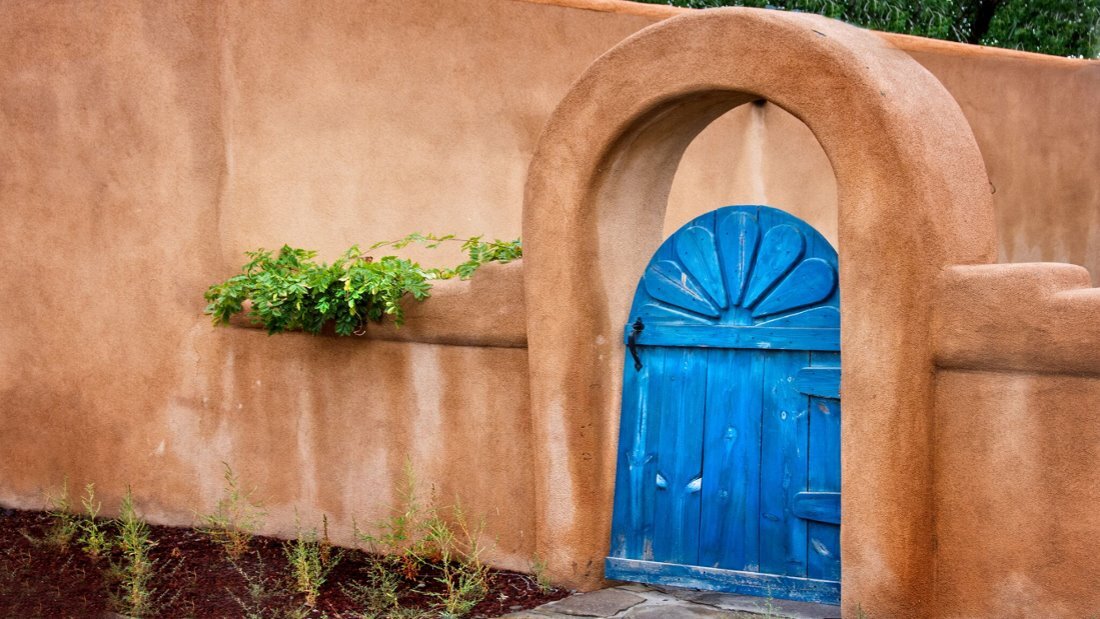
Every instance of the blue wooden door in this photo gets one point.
(729, 448)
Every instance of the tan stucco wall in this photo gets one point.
(146, 145)
(1016, 518)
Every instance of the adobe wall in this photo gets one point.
(1016, 525)
(147, 145)
(1017, 466)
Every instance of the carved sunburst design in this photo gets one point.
(741, 266)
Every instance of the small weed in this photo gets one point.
(93, 537)
(235, 519)
(309, 570)
(325, 543)
(538, 570)
(403, 538)
(264, 593)
(771, 609)
(66, 524)
(463, 575)
(135, 596)
(378, 596)
(416, 537)
(401, 546)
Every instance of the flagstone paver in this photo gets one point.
(602, 603)
(635, 601)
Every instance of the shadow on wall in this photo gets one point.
(755, 154)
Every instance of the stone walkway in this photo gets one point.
(647, 602)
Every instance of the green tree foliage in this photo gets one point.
(1059, 27)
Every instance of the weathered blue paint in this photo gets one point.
(817, 506)
(824, 466)
(714, 579)
(731, 469)
(726, 336)
(679, 458)
(823, 382)
(729, 449)
(783, 466)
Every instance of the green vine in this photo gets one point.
(289, 291)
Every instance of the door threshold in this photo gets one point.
(755, 584)
(752, 606)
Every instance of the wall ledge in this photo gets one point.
(1041, 318)
(486, 310)
(624, 7)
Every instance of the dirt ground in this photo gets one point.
(194, 578)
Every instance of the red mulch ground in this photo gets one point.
(194, 579)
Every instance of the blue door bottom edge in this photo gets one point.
(725, 581)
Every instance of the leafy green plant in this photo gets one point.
(310, 561)
(478, 252)
(236, 517)
(93, 537)
(289, 291)
(135, 570)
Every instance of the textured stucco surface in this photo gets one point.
(1018, 461)
(146, 145)
(1035, 121)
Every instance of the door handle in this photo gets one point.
(632, 342)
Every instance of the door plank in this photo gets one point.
(718, 336)
(823, 550)
(680, 397)
(783, 466)
(730, 525)
(823, 382)
(817, 506)
(632, 519)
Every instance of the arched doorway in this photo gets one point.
(912, 199)
(729, 446)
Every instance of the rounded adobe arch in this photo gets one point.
(913, 199)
